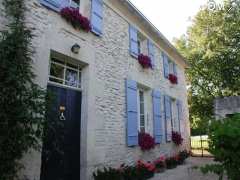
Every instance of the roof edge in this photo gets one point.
(154, 28)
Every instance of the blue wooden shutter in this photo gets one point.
(179, 111)
(151, 52)
(168, 118)
(157, 118)
(165, 65)
(133, 44)
(97, 16)
(132, 113)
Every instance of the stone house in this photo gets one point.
(227, 106)
(104, 96)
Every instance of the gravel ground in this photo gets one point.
(187, 172)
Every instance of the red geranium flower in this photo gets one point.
(173, 79)
(73, 16)
(145, 61)
(146, 141)
(177, 138)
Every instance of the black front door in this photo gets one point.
(61, 145)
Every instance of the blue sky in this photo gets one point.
(171, 17)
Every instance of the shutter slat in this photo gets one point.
(157, 118)
(180, 117)
(165, 65)
(151, 52)
(133, 44)
(132, 113)
(97, 16)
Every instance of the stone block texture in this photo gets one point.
(107, 64)
(226, 106)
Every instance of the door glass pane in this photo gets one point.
(56, 73)
(71, 78)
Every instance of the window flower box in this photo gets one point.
(173, 78)
(177, 138)
(144, 61)
(146, 141)
(73, 16)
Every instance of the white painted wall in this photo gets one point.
(108, 64)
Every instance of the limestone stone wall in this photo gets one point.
(107, 64)
(226, 106)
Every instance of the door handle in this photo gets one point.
(62, 117)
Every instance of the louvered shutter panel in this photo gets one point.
(165, 65)
(132, 114)
(179, 111)
(97, 16)
(157, 118)
(133, 44)
(52, 4)
(168, 118)
(151, 52)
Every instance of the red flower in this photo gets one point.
(146, 141)
(78, 21)
(173, 79)
(145, 61)
(177, 138)
(147, 165)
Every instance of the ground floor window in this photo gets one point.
(75, 3)
(141, 114)
(64, 73)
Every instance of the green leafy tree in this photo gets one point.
(22, 102)
(212, 47)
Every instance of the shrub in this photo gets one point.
(146, 141)
(224, 144)
(182, 156)
(107, 174)
(145, 169)
(160, 163)
(171, 162)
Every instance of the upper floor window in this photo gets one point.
(75, 3)
(140, 44)
(169, 67)
(57, 5)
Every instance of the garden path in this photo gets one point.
(187, 172)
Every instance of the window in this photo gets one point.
(139, 47)
(57, 5)
(141, 107)
(75, 3)
(64, 73)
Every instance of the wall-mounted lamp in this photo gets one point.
(75, 48)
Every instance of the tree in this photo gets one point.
(212, 47)
(22, 102)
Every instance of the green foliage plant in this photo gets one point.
(22, 101)
(224, 144)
